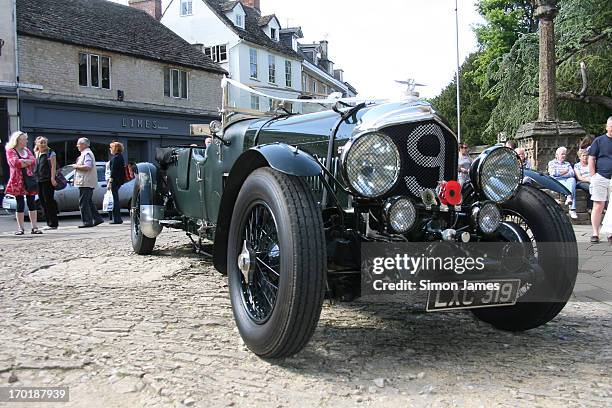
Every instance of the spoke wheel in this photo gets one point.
(532, 216)
(261, 280)
(276, 263)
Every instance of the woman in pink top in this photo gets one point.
(19, 157)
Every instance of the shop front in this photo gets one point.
(139, 131)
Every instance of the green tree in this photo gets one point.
(583, 34)
(506, 21)
(475, 110)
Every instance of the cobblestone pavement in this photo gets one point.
(79, 309)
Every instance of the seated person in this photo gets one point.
(583, 177)
(525, 164)
(562, 171)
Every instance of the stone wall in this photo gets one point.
(541, 140)
(55, 66)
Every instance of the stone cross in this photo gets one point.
(546, 12)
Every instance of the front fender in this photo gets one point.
(288, 160)
(544, 181)
(278, 156)
(150, 199)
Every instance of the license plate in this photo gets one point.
(473, 294)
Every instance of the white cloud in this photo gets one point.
(378, 42)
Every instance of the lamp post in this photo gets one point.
(458, 66)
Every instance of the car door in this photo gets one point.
(68, 198)
(100, 190)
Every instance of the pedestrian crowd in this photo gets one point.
(592, 173)
(36, 174)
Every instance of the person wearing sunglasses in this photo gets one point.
(464, 164)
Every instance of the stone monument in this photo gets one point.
(542, 137)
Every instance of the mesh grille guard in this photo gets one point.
(428, 153)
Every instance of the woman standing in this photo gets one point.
(117, 178)
(464, 163)
(21, 162)
(46, 167)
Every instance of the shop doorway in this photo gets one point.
(137, 151)
(4, 136)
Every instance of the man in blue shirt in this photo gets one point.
(600, 169)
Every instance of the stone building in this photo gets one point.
(245, 43)
(8, 77)
(108, 72)
(319, 76)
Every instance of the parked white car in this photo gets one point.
(68, 198)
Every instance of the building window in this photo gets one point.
(239, 20)
(288, 73)
(273, 33)
(186, 7)
(304, 82)
(253, 63)
(255, 102)
(176, 83)
(313, 86)
(217, 53)
(272, 69)
(94, 71)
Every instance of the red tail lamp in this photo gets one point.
(450, 193)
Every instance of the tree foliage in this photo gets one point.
(583, 33)
(506, 21)
(505, 70)
(475, 110)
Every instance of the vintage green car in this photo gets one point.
(287, 201)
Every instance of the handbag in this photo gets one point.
(107, 202)
(60, 181)
(29, 182)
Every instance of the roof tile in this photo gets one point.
(108, 26)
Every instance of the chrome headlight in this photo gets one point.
(371, 164)
(400, 214)
(488, 217)
(497, 173)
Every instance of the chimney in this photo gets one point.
(151, 7)
(339, 74)
(324, 45)
(252, 3)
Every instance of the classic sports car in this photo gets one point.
(68, 198)
(288, 200)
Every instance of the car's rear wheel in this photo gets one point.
(537, 219)
(141, 244)
(276, 263)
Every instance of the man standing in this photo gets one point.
(600, 169)
(86, 179)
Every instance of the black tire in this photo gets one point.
(141, 244)
(547, 222)
(294, 257)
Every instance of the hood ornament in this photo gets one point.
(410, 84)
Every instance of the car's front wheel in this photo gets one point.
(276, 263)
(536, 220)
(141, 244)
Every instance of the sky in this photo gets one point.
(378, 42)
